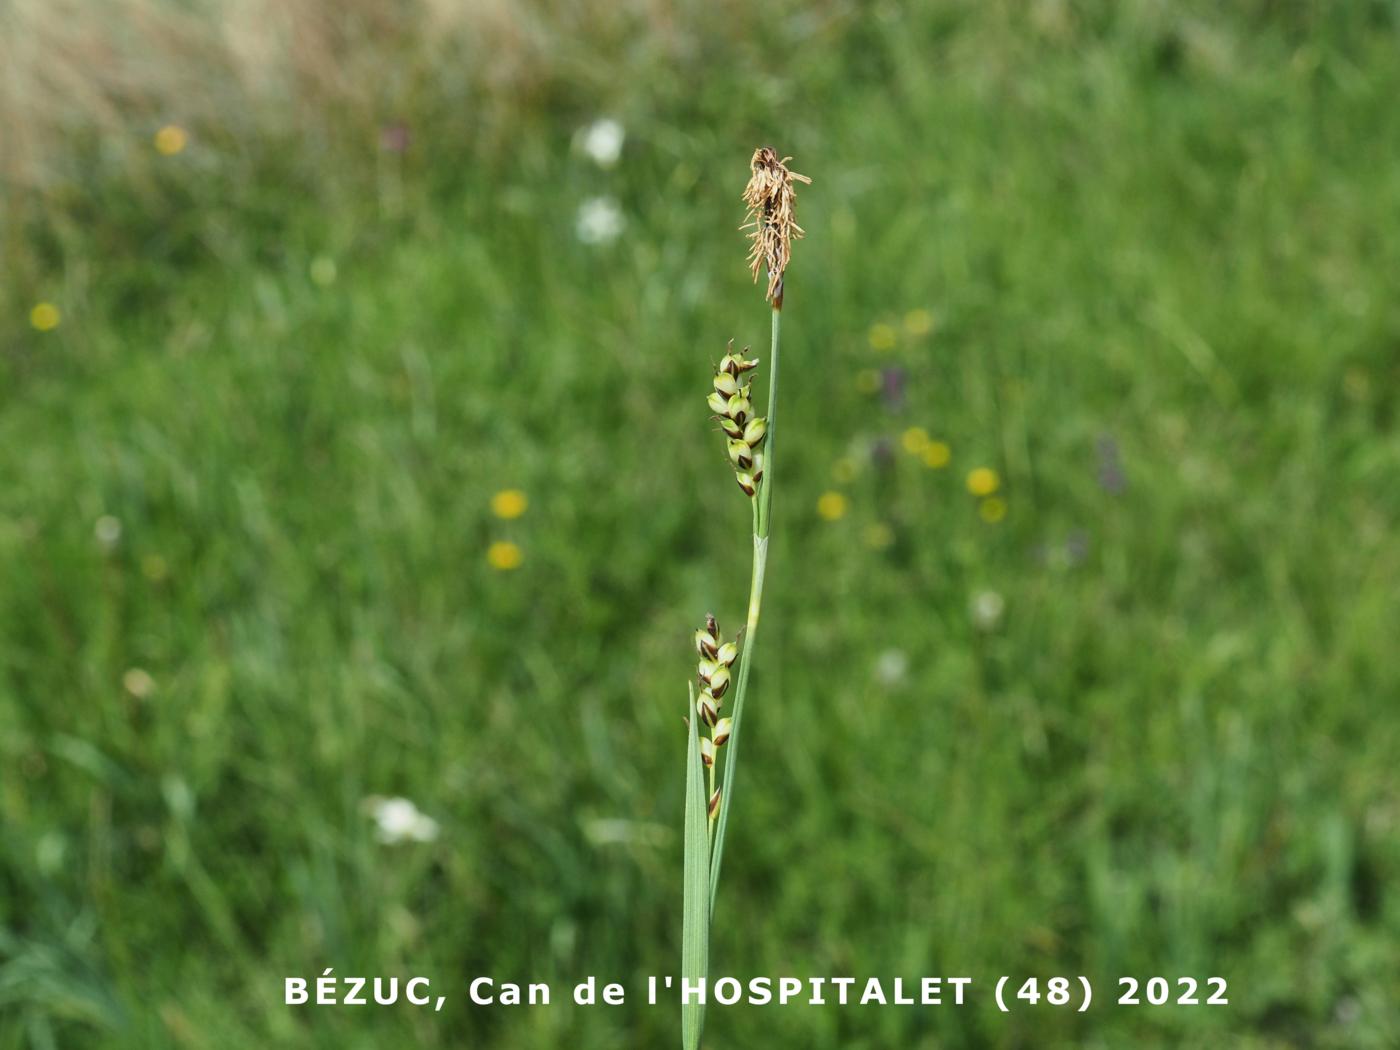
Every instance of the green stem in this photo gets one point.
(762, 505)
(765, 496)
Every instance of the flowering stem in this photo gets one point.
(762, 503)
(766, 496)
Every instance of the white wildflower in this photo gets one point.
(602, 141)
(986, 608)
(108, 530)
(604, 831)
(138, 683)
(600, 220)
(400, 821)
(891, 667)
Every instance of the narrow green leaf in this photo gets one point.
(695, 929)
(741, 692)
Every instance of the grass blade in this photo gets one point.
(695, 929)
(741, 692)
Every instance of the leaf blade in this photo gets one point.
(695, 928)
(741, 692)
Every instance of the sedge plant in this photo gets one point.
(713, 738)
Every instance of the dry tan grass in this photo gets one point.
(124, 67)
(322, 67)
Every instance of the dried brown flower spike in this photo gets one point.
(770, 198)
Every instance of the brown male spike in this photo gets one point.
(770, 198)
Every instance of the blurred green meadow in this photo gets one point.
(353, 446)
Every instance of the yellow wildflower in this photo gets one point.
(914, 440)
(171, 140)
(45, 317)
(992, 509)
(937, 454)
(509, 503)
(918, 322)
(882, 336)
(504, 555)
(832, 506)
(878, 536)
(983, 481)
